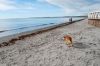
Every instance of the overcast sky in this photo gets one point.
(41, 8)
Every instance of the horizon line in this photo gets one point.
(46, 17)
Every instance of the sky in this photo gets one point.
(46, 8)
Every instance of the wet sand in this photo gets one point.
(49, 49)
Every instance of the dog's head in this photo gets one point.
(68, 38)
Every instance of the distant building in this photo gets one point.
(94, 18)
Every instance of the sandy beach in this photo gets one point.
(49, 49)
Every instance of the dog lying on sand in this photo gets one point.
(68, 40)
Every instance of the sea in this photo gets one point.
(18, 25)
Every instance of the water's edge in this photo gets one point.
(8, 40)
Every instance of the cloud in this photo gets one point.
(6, 5)
(93, 7)
(25, 6)
(76, 6)
(12, 4)
(68, 6)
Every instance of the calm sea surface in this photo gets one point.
(16, 24)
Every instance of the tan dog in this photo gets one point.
(68, 40)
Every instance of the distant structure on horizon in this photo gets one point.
(94, 18)
(94, 15)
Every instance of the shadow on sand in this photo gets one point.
(80, 45)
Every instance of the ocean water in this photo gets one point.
(15, 24)
(11, 26)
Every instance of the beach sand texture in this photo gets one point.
(49, 48)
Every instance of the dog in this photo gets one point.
(68, 40)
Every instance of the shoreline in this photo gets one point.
(11, 39)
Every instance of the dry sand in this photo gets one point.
(49, 49)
